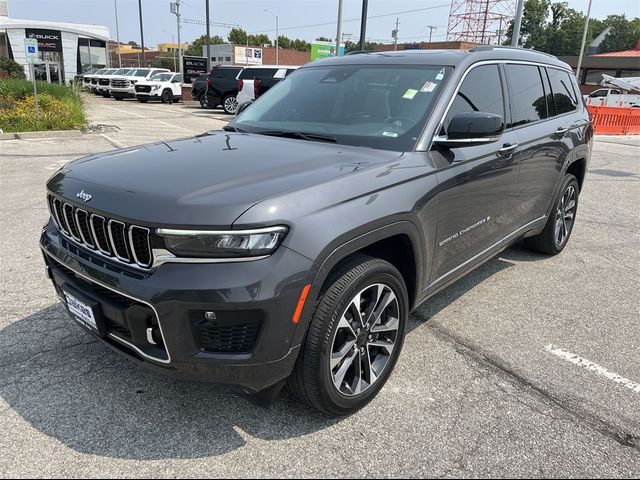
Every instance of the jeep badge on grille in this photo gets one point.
(84, 195)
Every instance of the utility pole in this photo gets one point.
(584, 41)
(141, 29)
(363, 23)
(394, 34)
(277, 53)
(431, 29)
(208, 38)
(115, 4)
(339, 29)
(515, 38)
(175, 9)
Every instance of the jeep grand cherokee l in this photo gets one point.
(292, 246)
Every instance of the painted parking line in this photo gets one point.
(593, 367)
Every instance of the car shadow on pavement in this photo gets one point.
(452, 293)
(72, 388)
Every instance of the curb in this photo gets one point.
(41, 134)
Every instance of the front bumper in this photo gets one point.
(122, 92)
(174, 298)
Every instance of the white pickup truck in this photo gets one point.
(124, 86)
(617, 92)
(165, 86)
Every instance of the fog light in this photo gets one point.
(210, 315)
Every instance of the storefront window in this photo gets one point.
(92, 54)
(626, 73)
(594, 77)
(4, 49)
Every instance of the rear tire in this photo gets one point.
(559, 226)
(204, 101)
(349, 352)
(230, 104)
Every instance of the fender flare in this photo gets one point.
(333, 255)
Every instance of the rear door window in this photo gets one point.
(564, 98)
(527, 99)
(226, 72)
(481, 91)
(251, 73)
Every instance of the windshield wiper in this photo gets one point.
(229, 128)
(313, 137)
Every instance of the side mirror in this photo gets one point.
(471, 128)
(243, 106)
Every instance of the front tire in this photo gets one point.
(167, 96)
(354, 339)
(559, 226)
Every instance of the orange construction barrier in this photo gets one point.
(615, 120)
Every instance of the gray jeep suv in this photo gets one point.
(292, 246)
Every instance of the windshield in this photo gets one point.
(140, 72)
(121, 71)
(108, 72)
(377, 106)
(162, 77)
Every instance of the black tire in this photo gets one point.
(312, 379)
(119, 98)
(167, 96)
(204, 100)
(143, 100)
(230, 104)
(548, 240)
(106, 95)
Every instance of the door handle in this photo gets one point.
(507, 149)
(562, 131)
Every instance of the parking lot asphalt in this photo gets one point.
(529, 366)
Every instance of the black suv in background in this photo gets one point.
(291, 247)
(219, 87)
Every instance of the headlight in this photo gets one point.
(218, 244)
(155, 87)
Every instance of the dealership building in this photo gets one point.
(65, 49)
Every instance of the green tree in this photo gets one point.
(166, 61)
(624, 34)
(11, 69)
(324, 39)
(237, 36)
(259, 40)
(195, 49)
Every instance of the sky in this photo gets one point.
(305, 19)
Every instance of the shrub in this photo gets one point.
(60, 107)
(11, 69)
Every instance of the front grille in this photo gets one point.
(120, 83)
(94, 81)
(104, 81)
(121, 330)
(112, 238)
(143, 88)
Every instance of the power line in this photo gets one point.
(447, 5)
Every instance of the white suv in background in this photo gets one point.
(246, 79)
(166, 87)
(124, 86)
(105, 79)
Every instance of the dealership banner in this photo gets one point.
(248, 56)
(324, 50)
(48, 40)
(193, 67)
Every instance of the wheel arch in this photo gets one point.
(398, 243)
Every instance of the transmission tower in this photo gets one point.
(480, 21)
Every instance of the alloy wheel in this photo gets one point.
(231, 104)
(565, 215)
(365, 339)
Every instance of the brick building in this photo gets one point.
(457, 45)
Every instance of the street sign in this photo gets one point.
(31, 50)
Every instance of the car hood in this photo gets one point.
(208, 180)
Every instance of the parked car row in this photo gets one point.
(144, 84)
(229, 86)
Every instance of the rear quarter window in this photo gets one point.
(252, 73)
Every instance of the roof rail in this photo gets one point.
(359, 52)
(483, 48)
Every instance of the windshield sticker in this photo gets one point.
(410, 93)
(440, 75)
(429, 87)
(389, 134)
